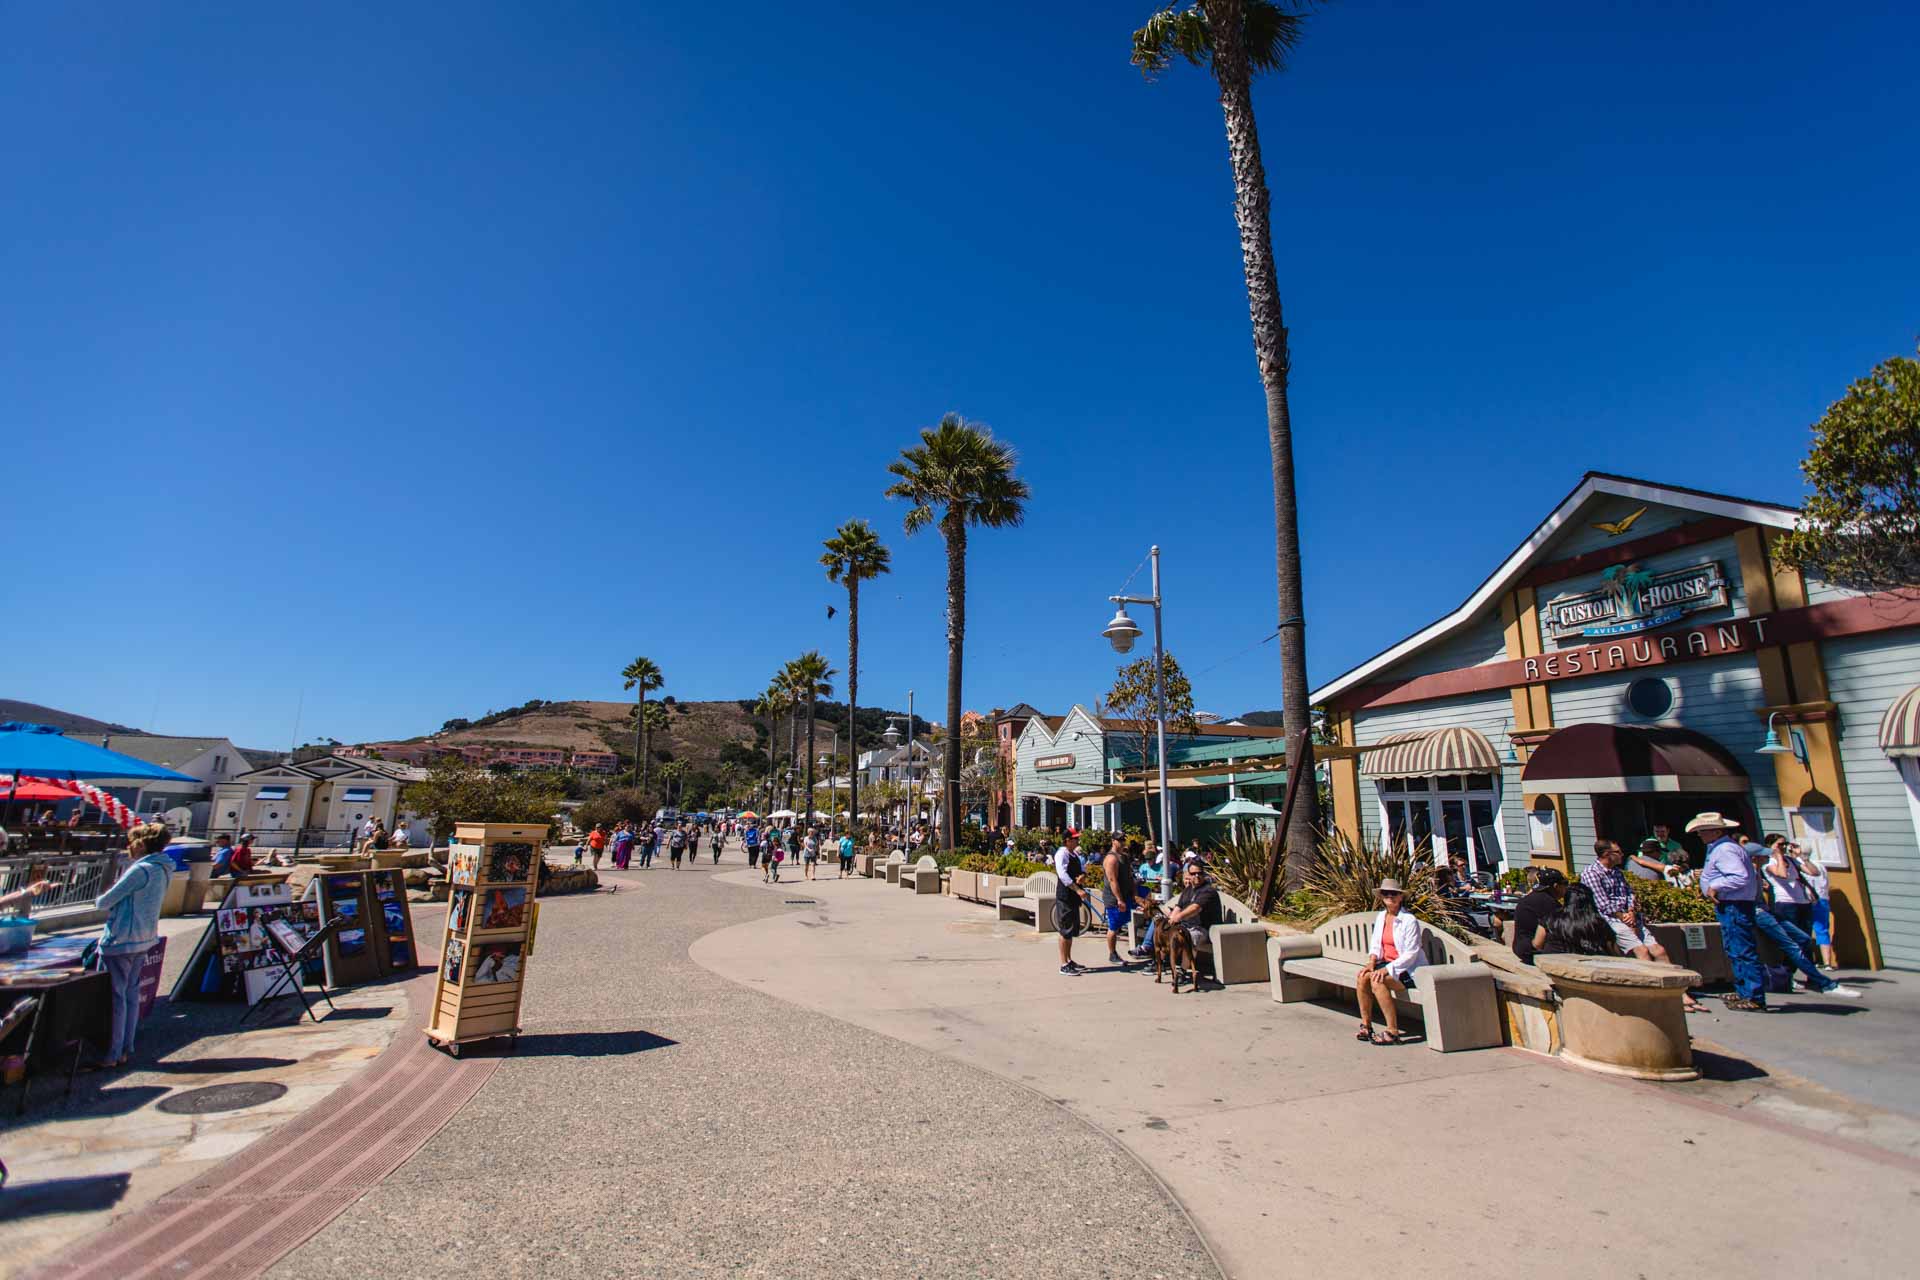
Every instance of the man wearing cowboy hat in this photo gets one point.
(1731, 883)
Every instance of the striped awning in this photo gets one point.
(1900, 727)
(1428, 753)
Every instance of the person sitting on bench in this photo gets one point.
(1393, 955)
(1197, 909)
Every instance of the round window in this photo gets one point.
(273, 815)
(1650, 697)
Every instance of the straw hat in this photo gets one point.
(1704, 821)
(1389, 885)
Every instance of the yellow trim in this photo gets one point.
(1345, 777)
(1797, 676)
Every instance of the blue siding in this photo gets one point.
(1475, 644)
(1717, 698)
(1864, 675)
(1491, 714)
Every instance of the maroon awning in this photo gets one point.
(1618, 758)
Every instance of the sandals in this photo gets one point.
(1364, 1035)
(1390, 1037)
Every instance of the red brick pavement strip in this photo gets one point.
(239, 1218)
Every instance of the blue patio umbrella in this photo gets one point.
(39, 750)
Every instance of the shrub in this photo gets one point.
(1240, 867)
(952, 857)
(1346, 876)
(980, 862)
(1513, 880)
(1016, 867)
(1670, 903)
(1033, 840)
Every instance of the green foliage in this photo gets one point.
(621, 804)
(1346, 876)
(1666, 903)
(1513, 880)
(1240, 867)
(1272, 32)
(1034, 840)
(454, 791)
(855, 554)
(979, 862)
(1862, 524)
(962, 469)
(1135, 699)
(1017, 867)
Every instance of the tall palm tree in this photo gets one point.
(1236, 40)
(768, 705)
(643, 677)
(654, 716)
(956, 477)
(787, 680)
(853, 555)
(812, 675)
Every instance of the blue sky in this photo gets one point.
(405, 362)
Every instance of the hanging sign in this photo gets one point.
(1046, 764)
(1632, 600)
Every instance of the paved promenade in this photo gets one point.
(836, 1078)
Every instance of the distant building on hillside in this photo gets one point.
(596, 762)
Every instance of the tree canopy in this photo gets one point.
(1862, 524)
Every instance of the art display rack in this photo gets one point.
(493, 869)
(377, 937)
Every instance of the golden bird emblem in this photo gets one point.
(1620, 526)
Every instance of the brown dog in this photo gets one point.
(1170, 945)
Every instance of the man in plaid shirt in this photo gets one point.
(1615, 900)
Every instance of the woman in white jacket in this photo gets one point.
(1393, 956)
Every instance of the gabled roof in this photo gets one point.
(1018, 711)
(1593, 484)
(153, 748)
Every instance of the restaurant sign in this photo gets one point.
(1046, 764)
(1631, 600)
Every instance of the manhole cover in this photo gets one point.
(222, 1097)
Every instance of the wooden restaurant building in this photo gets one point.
(1641, 657)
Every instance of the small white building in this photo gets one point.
(209, 761)
(317, 802)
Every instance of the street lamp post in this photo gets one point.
(1121, 633)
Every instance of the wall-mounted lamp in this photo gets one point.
(1774, 747)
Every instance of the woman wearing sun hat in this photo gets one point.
(1393, 953)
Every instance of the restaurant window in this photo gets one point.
(1452, 813)
(1650, 697)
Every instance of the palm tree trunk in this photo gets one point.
(646, 748)
(812, 706)
(773, 737)
(853, 703)
(639, 724)
(956, 531)
(793, 738)
(1226, 21)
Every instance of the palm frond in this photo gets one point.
(1274, 29)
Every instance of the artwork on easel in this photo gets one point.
(456, 957)
(504, 909)
(496, 962)
(508, 862)
(463, 864)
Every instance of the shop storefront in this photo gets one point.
(1642, 657)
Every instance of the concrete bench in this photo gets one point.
(890, 869)
(922, 877)
(1237, 946)
(1032, 897)
(1454, 997)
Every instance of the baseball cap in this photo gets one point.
(1073, 833)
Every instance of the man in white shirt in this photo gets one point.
(1067, 866)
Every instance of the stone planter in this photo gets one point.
(1623, 1017)
(962, 883)
(989, 883)
(1696, 947)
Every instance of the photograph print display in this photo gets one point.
(504, 909)
(508, 861)
(456, 955)
(458, 907)
(496, 962)
(463, 864)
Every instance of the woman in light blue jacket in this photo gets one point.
(133, 926)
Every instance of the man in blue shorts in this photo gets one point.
(1119, 872)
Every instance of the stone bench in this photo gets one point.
(889, 869)
(1624, 1017)
(1237, 946)
(922, 877)
(1033, 897)
(1453, 997)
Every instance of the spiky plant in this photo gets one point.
(1346, 877)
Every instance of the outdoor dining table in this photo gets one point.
(75, 1009)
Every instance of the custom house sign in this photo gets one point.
(1631, 600)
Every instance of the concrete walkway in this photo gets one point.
(1292, 1145)
(658, 1120)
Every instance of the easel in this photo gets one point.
(292, 962)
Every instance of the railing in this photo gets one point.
(295, 841)
(64, 839)
(73, 879)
